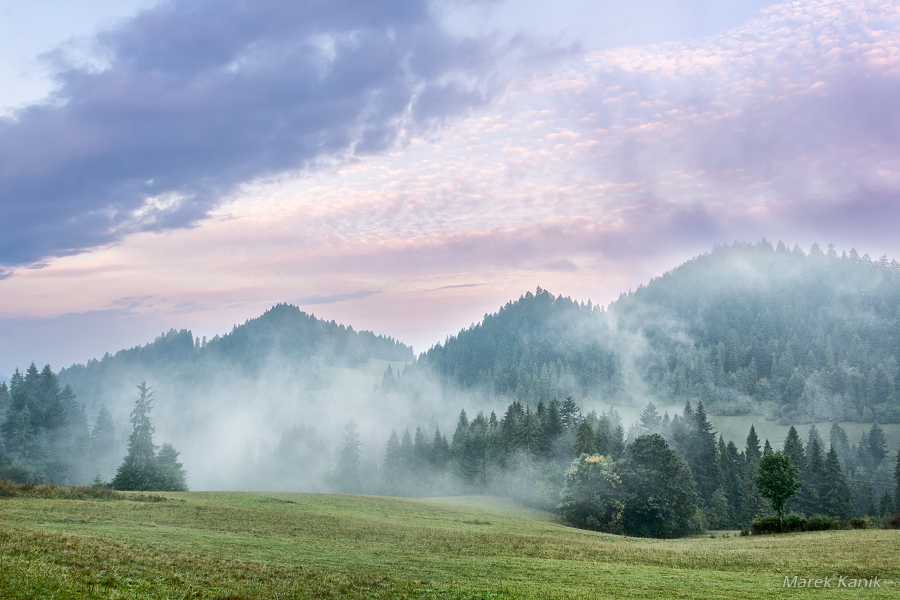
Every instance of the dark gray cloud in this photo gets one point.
(200, 96)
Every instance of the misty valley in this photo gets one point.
(528, 404)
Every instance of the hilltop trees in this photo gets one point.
(143, 469)
(799, 337)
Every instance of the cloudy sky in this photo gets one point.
(406, 166)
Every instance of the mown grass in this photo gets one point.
(242, 545)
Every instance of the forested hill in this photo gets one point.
(745, 328)
(283, 333)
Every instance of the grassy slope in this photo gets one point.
(230, 545)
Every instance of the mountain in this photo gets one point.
(283, 334)
(745, 328)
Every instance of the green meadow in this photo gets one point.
(271, 545)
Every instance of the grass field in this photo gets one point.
(252, 545)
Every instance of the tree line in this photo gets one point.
(747, 328)
(539, 455)
(45, 437)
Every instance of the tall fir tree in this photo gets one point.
(702, 456)
(877, 445)
(584, 439)
(138, 470)
(753, 505)
(794, 450)
(813, 480)
(897, 480)
(347, 476)
(837, 500)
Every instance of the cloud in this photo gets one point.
(562, 264)
(459, 285)
(194, 98)
(318, 299)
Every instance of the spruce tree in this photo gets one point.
(897, 480)
(651, 422)
(170, 476)
(753, 505)
(702, 455)
(347, 469)
(877, 446)
(103, 442)
(837, 500)
(584, 439)
(138, 470)
(813, 490)
(391, 471)
(793, 449)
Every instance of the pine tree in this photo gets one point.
(650, 419)
(793, 449)
(392, 469)
(347, 469)
(813, 490)
(584, 439)
(897, 479)
(837, 500)
(170, 476)
(702, 456)
(103, 440)
(877, 446)
(138, 471)
(753, 505)
(841, 443)
(568, 411)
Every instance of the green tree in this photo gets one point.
(661, 499)
(814, 486)
(837, 500)
(702, 455)
(592, 496)
(103, 443)
(170, 475)
(347, 469)
(651, 422)
(877, 446)
(897, 480)
(138, 470)
(584, 439)
(392, 470)
(777, 480)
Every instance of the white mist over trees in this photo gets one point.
(746, 329)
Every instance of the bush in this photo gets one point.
(798, 523)
(893, 523)
(818, 523)
(30, 489)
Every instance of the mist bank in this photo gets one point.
(786, 335)
(747, 329)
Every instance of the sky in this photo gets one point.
(408, 166)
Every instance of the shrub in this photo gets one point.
(893, 523)
(30, 489)
(819, 523)
(796, 523)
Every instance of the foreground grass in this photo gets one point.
(236, 545)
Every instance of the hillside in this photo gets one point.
(745, 328)
(227, 545)
(283, 335)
